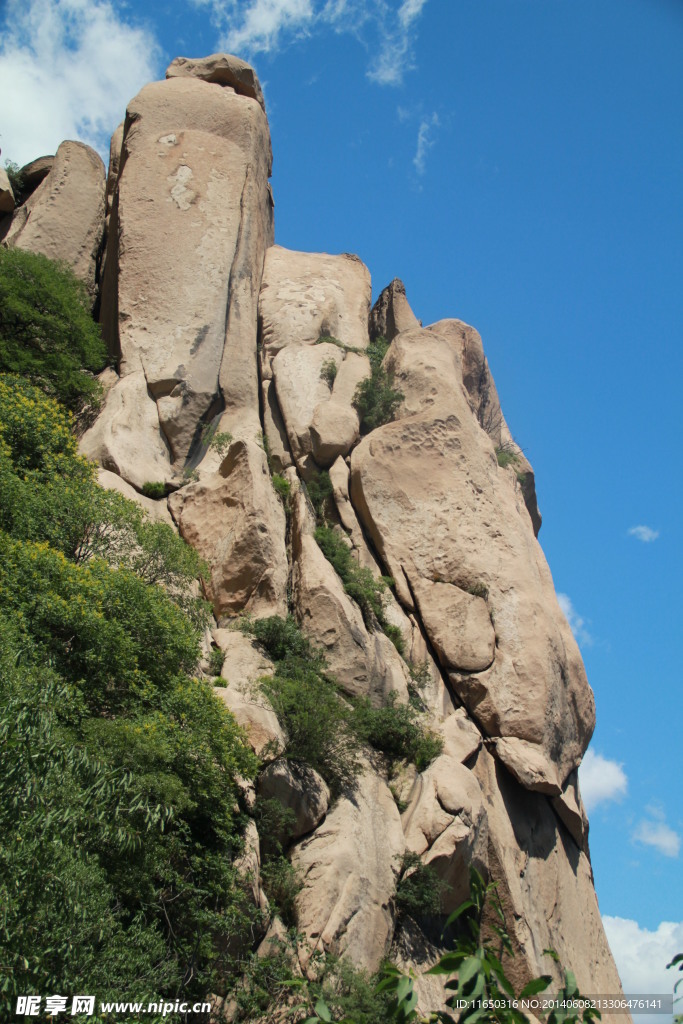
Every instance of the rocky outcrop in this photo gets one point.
(298, 789)
(237, 523)
(349, 869)
(236, 359)
(191, 218)
(6, 193)
(470, 529)
(392, 314)
(33, 173)
(64, 217)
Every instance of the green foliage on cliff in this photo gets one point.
(46, 331)
(119, 820)
(376, 400)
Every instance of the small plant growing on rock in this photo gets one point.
(154, 489)
(375, 399)
(281, 486)
(419, 890)
(395, 730)
(478, 590)
(218, 440)
(320, 492)
(216, 659)
(328, 372)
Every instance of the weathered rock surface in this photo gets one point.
(545, 883)
(445, 823)
(222, 69)
(6, 193)
(305, 296)
(468, 528)
(245, 664)
(458, 624)
(64, 218)
(34, 172)
(392, 314)
(349, 868)
(126, 437)
(298, 788)
(190, 222)
(155, 509)
(236, 522)
(461, 738)
(363, 663)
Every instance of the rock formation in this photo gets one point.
(237, 358)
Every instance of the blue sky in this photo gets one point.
(518, 164)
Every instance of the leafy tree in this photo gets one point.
(47, 333)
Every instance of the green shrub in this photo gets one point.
(375, 399)
(316, 721)
(282, 639)
(16, 180)
(265, 982)
(282, 884)
(396, 636)
(154, 489)
(506, 456)
(216, 660)
(395, 730)
(47, 333)
(282, 486)
(275, 824)
(320, 492)
(328, 372)
(358, 581)
(419, 890)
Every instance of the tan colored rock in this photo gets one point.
(64, 218)
(220, 69)
(299, 789)
(435, 503)
(308, 295)
(245, 664)
(126, 438)
(392, 314)
(528, 764)
(190, 222)
(569, 808)
(363, 663)
(156, 510)
(6, 193)
(236, 522)
(334, 431)
(458, 624)
(248, 867)
(274, 429)
(485, 403)
(301, 389)
(33, 173)
(349, 868)
(461, 738)
(115, 153)
(445, 823)
(545, 884)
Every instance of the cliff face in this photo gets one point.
(219, 333)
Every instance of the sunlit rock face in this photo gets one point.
(238, 359)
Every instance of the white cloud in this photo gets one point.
(641, 956)
(69, 67)
(264, 26)
(425, 141)
(644, 533)
(600, 780)
(577, 624)
(654, 831)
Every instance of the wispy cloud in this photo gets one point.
(70, 66)
(644, 533)
(395, 55)
(265, 26)
(577, 623)
(425, 141)
(654, 831)
(601, 780)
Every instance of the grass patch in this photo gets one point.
(419, 890)
(328, 372)
(216, 660)
(154, 489)
(281, 486)
(320, 492)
